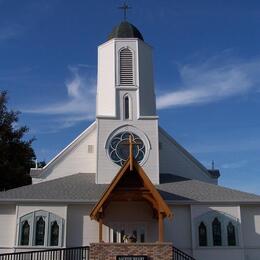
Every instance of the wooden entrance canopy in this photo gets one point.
(132, 184)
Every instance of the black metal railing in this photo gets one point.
(73, 253)
(179, 255)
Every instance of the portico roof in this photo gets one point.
(131, 183)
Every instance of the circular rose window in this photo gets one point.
(119, 148)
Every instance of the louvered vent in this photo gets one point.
(126, 67)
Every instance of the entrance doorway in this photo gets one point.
(118, 232)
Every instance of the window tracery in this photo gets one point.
(25, 233)
(217, 229)
(40, 232)
(54, 233)
(216, 232)
(119, 148)
(203, 235)
(40, 228)
(231, 234)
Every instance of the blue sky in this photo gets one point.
(206, 63)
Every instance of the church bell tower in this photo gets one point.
(126, 104)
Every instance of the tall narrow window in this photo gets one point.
(202, 235)
(126, 107)
(114, 236)
(40, 232)
(134, 234)
(142, 236)
(231, 235)
(54, 234)
(25, 234)
(216, 232)
(126, 67)
(122, 234)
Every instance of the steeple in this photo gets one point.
(126, 103)
(125, 67)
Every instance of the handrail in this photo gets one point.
(180, 255)
(72, 253)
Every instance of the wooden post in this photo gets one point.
(100, 225)
(161, 227)
(100, 221)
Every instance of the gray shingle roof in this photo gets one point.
(79, 187)
(82, 188)
(198, 191)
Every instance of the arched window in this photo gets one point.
(231, 235)
(203, 235)
(25, 233)
(126, 107)
(126, 70)
(40, 232)
(216, 232)
(40, 228)
(221, 225)
(54, 233)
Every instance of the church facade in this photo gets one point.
(126, 177)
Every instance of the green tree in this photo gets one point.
(16, 153)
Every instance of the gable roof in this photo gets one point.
(39, 172)
(212, 174)
(81, 188)
(125, 169)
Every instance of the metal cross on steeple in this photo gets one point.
(125, 8)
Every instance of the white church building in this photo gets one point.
(126, 177)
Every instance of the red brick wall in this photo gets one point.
(109, 251)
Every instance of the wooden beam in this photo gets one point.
(129, 194)
(154, 191)
(107, 193)
(160, 227)
(100, 221)
(151, 200)
(127, 189)
(100, 224)
(131, 154)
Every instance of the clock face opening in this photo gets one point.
(119, 148)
